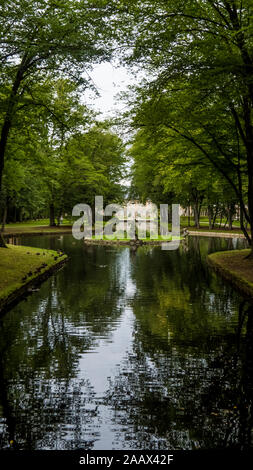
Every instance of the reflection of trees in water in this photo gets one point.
(90, 288)
(246, 383)
(172, 399)
(49, 414)
(89, 285)
(178, 296)
(43, 404)
(180, 388)
(37, 370)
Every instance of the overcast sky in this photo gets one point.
(109, 81)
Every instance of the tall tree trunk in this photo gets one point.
(249, 148)
(210, 216)
(59, 217)
(189, 216)
(196, 215)
(250, 187)
(7, 124)
(242, 224)
(250, 201)
(4, 217)
(7, 121)
(52, 215)
(231, 211)
(2, 240)
(215, 217)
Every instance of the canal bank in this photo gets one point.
(235, 267)
(31, 230)
(206, 233)
(22, 269)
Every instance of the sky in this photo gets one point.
(109, 81)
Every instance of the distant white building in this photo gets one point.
(149, 210)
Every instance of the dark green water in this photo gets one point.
(128, 350)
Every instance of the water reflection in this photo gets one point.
(166, 398)
(144, 350)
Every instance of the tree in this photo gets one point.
(145, 176)
(94, 165)
(165, 166)
(35, 146)
(37, 40)
(200, 55)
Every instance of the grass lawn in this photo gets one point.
(42, 226)
(205, 221)
(216, 230)
(34, 223)
(35, 229)
(236, 267)
(19, 265)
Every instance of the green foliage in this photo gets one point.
(57, 155)
(46, 49)
(198, 56)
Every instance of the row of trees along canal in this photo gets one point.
(192, 113)
(52, 152)
(194, 140)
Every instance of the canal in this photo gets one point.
(126, 349)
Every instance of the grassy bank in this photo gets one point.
(66, 224)
(235, 267)
(37, 222)
(41, 227)
(220, 230)
(18, 229)
(22, 267)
